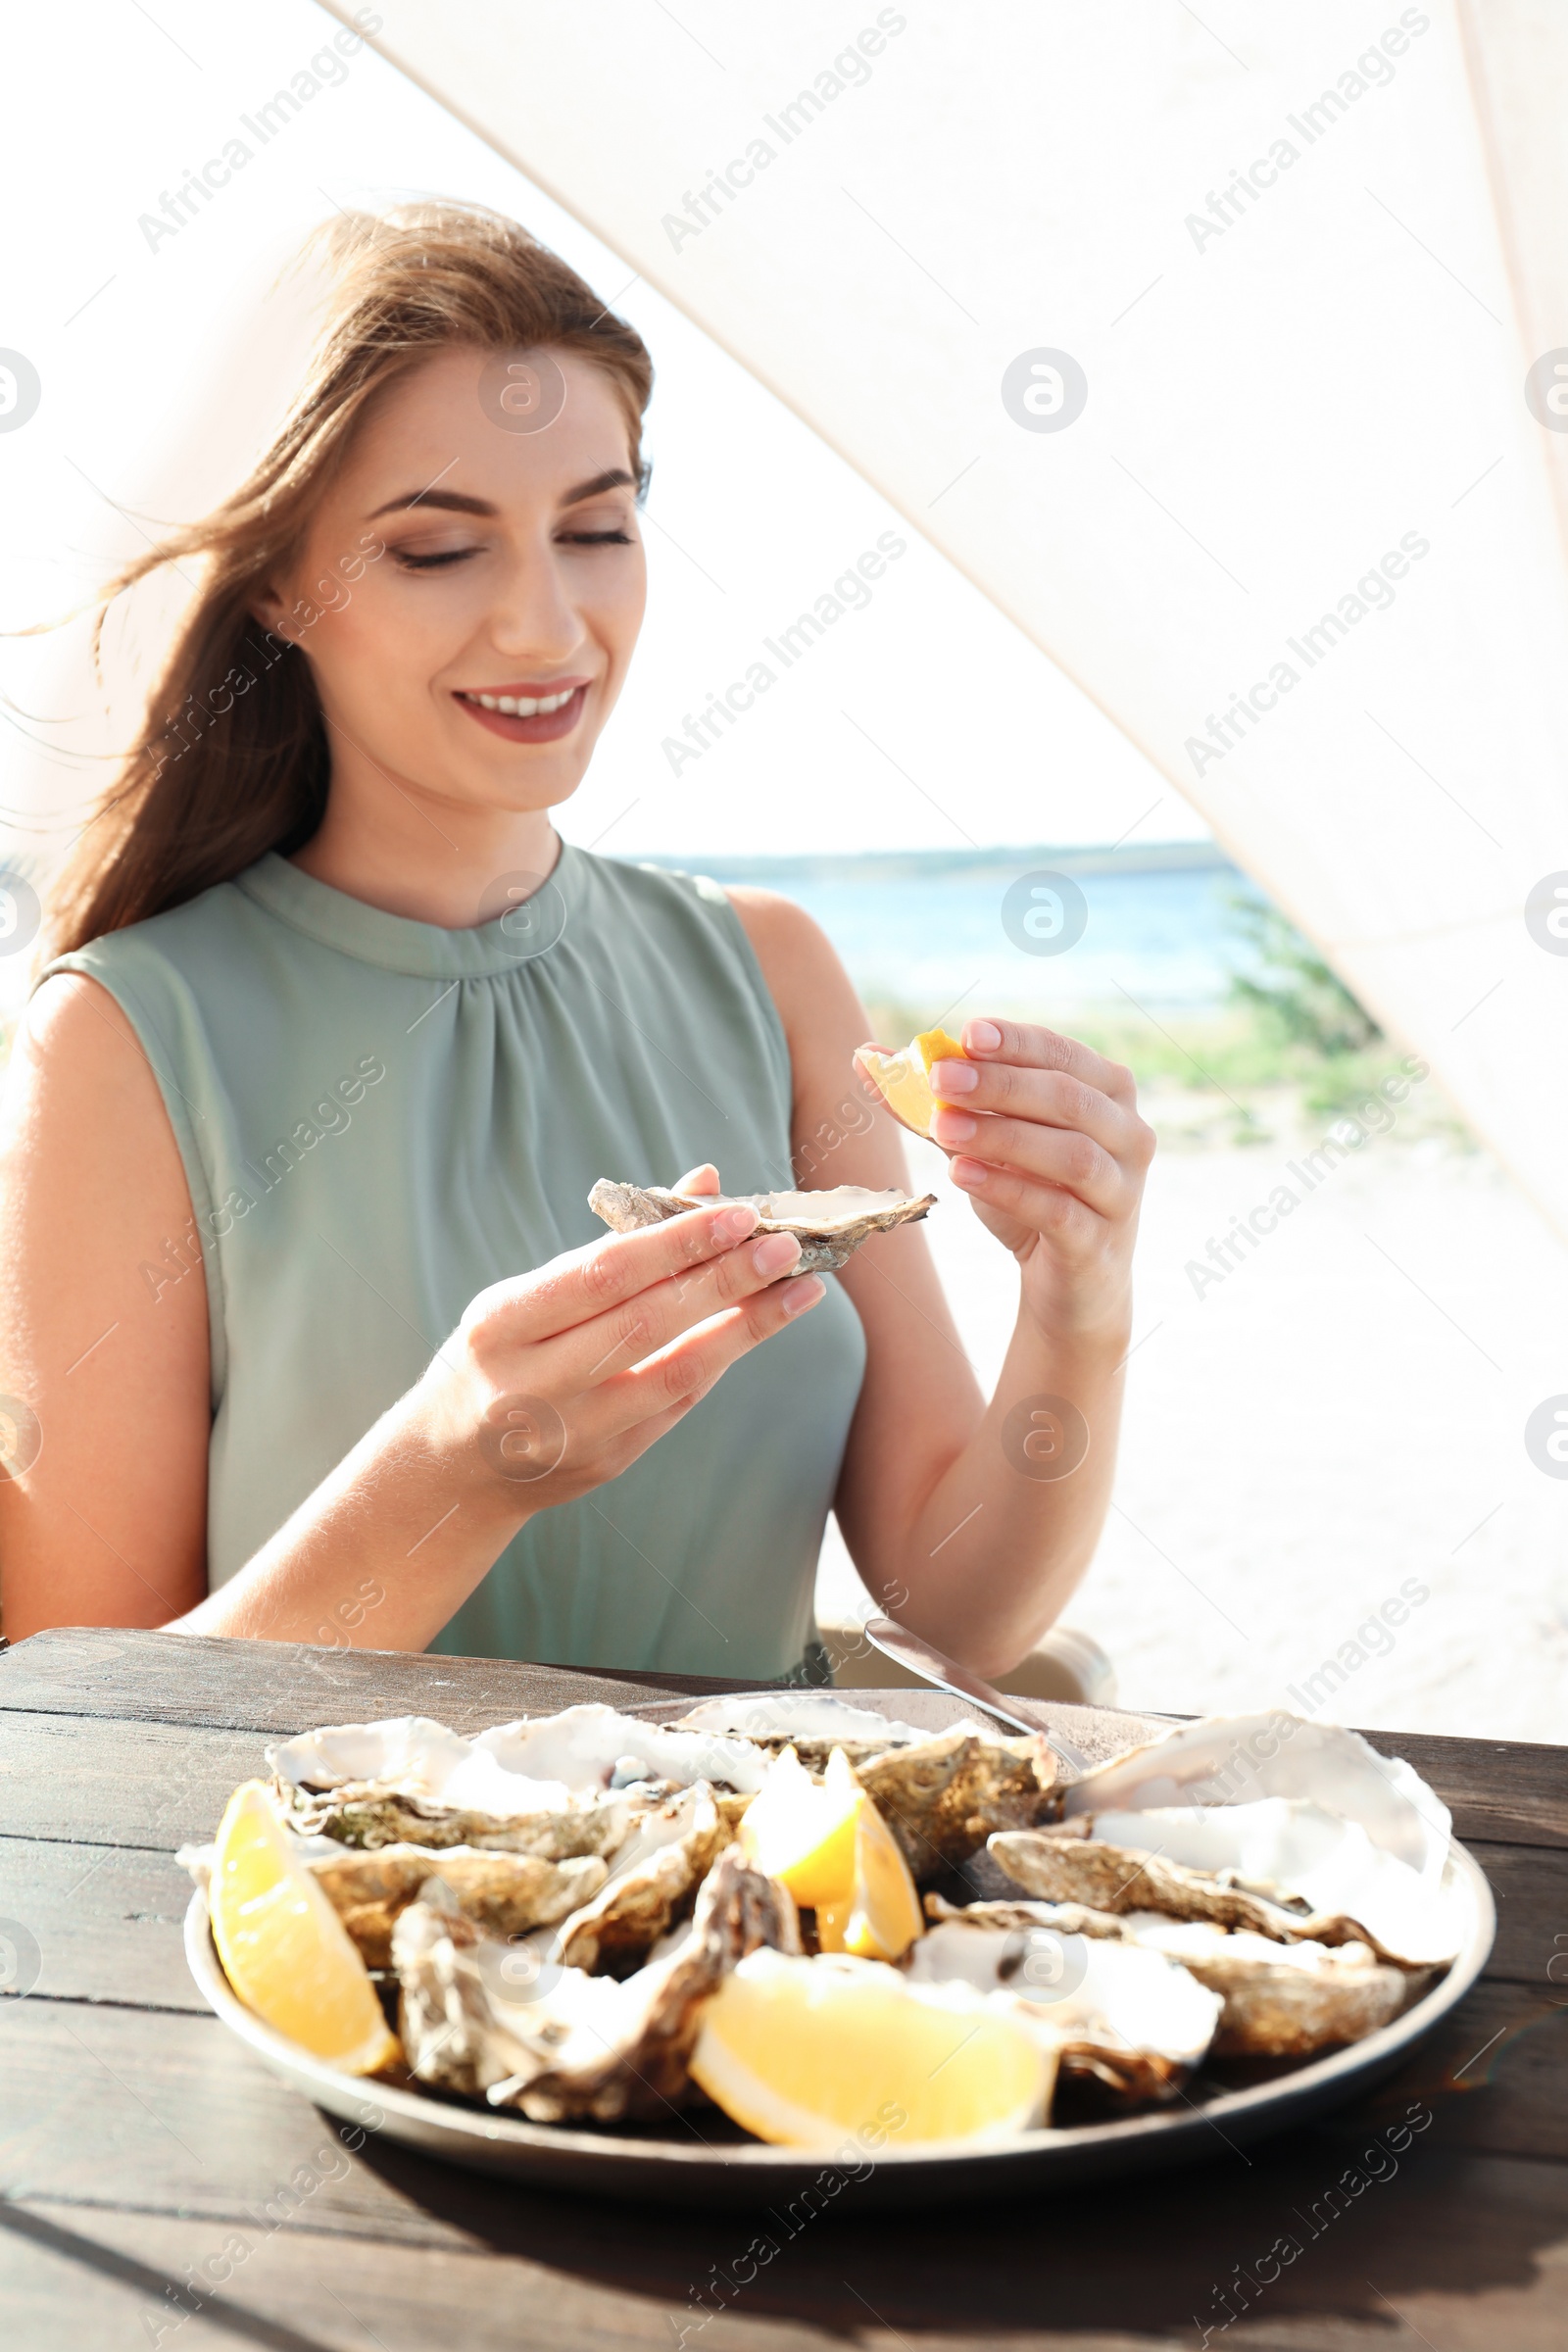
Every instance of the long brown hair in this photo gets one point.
(232, 761)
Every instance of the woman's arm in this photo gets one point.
(552, 1383)
(951, 1506)
(101, 1336)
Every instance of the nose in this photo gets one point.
(534, 615)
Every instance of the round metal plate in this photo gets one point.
(639, 2164)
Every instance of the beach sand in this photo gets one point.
(1336, 1422)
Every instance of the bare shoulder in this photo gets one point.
(777, 922)
(72, 1018)
(77, 1057)
(86, 1146)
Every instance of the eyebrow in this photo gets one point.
(454, 502)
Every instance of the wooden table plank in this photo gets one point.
(108, 1922)
(1473, 2253)
(285, 1686)
(1530, 1887)
(110, 1783)
(279, 1688)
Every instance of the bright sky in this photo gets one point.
(923, 719)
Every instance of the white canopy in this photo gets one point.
(1299, 540)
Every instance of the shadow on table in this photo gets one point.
(1160, 2253)
(154, 2285)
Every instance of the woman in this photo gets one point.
(318, 1337)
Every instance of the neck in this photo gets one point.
(422, 854)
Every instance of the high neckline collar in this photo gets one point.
(531, 928)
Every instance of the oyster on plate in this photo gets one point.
(1064, 1867)
(829, 1225)
(505, 1894)
(1282, 2000)
(650, 1886)
(1415, 1928)
(941, 1792)
(1307, 1834)
(586, 2046)
(812, 1722)
(1131, 2018)
(562, 1785)
(1230, 1760)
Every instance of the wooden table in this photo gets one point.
(139, 2140)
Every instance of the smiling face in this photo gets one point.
(474, 662)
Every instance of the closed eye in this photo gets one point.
(460, 554)
(453, 554)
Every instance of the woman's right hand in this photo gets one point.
(556, 1381)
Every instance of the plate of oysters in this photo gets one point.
(718, 1952)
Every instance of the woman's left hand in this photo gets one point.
(1044, 1137)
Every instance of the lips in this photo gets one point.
(530, 725)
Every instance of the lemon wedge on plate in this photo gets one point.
(904, 1080)
(283, 1948)
(806, 2052)
(831, 1847)
(877, 1915)
(802, 1831)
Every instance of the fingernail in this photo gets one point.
(969, 1173)
(795, 1296)
(775, 1254)
(735, 1224)
(982, 1037)
(953, 1126)
(954, 1077)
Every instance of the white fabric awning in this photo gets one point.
(1299, 542)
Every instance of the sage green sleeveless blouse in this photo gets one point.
(379, 1118)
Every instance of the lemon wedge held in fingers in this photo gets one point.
(904, 1080)
(284, 1949)
(805, 2052)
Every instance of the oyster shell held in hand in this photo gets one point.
(829, 1226)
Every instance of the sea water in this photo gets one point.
(1162, 928)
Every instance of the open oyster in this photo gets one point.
(812, 1722)
(650, 1884)
(567, 1784)
(829, 1225)
(1288, 1828)
(1288, 1851)
(1136, 2020)
(1063, 1866)
(800, 1719)
(943, 1797)
(1228, 1761)
(505, 1894)
(586, 2046)
(1282, 2000)
(941, 1792)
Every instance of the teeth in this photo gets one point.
(521, 706)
